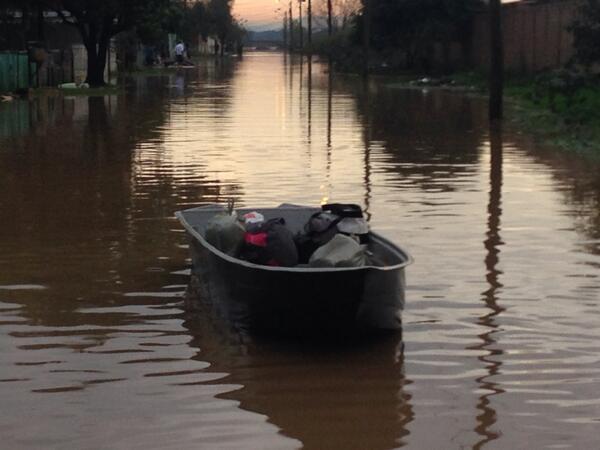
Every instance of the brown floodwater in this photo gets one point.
(501, 334)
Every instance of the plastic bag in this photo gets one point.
(340, 251)
(225, 233)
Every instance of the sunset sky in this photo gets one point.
(261, 15)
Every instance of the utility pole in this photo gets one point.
(309, 12)
(496, 61)
(329, 17)
(367, 35)
(285, 30)
(291, 28)
(300, 22)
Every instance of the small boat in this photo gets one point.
(296, 300)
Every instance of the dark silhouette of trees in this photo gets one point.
(586, 33)
(221, 20)
(414, 26)
(98, 21)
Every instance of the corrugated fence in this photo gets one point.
(14, 71)
(536, 35)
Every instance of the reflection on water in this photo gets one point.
(323, 395)
(492, 360)
(500, 337)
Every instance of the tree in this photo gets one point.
(99, 20)
(586, 33)
(31, 20)
(195, 21)
(221, 20)
(414, 26)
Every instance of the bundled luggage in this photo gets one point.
(226, 233)
(333, 219)
(269, 243)
(336, 236)
(340, 251)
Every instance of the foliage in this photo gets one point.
(586, 33)
(152, 24)
(99, 20)
(573, 95)
(194, 21)
(221, 20)
(415, 25)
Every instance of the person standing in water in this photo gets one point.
(179, 52)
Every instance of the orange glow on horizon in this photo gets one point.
(258, 11)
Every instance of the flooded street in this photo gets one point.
(501, 333)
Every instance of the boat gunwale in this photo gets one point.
(395, 248)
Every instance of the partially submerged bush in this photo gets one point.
(573, 94)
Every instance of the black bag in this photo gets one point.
(344, 210)
(270, 243)
(322, 227)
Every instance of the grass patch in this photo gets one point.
(154, 70)
(79, 92)
(560, 108)
(566, 114)
(92, 92)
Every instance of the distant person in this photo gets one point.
(179, 52)
(149, 56)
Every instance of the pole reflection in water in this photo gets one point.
(488, 417)
(347, 395)
(367, 136)
(300, 81)
(329, 102)
(329, 112)
(290, 86)
(309, 100)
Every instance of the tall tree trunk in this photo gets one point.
(496, 61)
(96, 60)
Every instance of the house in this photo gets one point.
(55, 50)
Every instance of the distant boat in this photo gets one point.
(296, 300)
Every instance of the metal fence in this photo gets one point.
(15, 71)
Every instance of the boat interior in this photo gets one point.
(384, 252)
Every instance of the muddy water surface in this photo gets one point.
(501, 340)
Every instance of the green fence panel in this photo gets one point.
(23, 75)
(14, 71)
(4, 64)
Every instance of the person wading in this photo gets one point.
(179, 52)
